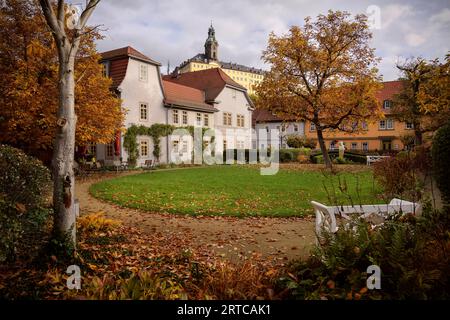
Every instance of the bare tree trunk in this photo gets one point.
(323, 148)
(64, 147)
(63, 156)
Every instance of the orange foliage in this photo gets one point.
(323, 73)
(29, 85)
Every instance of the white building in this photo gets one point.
(267, 124)
(208, 99)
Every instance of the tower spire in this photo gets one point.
(211, 45)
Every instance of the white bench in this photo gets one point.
(326, 216)
(372, 159)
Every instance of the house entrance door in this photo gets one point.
(387, 145)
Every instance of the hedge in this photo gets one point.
(24, 184)
(348, 155)
(285, 155)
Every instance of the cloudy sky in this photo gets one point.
(175, 30)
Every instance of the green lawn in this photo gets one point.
(234, 190)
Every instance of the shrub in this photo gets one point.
(296, 141)
(402, 175)
(309, 143)
(144, 285)
(302, 158)
(348, 155)
(317, 159)
(96, 222)
(286, 155)
(24, 179)
(226, 281)
(412, 253)
(24, 187)
(339, 160)
(441, 158)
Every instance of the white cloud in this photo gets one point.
(175, 30)
(415, 39)
(442, 17)
(393, 14)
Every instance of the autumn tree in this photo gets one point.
(29, 84)
(323, 72)
(424, 99)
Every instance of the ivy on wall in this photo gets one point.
(155, 131)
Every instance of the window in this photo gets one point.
(295, 128)
(175, 116)
(175, 145)
(185, 147)
(387, 124)
(409, 125)
(92, 149)
(312, 127)
(267, 129)
(199, 119)
(354, 146)
(224, 144)
(185, 117)
(109, 150)
(387, 104)
(365, 146)
(144, 111)
(240, 144)
(144, 148)
(206, 120)
(226, 119)
(105, 70)
(390, 124)
(240, 120)
(143, 72)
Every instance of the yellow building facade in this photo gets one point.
(247, 77)
(382, 135)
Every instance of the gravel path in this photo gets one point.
(233, 238)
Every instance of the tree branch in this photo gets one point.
(50, 17)
(87, 12)
(61, 14)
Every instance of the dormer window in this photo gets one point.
(143, 72)
(105, 70)
(387, 104)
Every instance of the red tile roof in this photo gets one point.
(390, 88)
(212, 81)
(263, 115)
(127, 52)
(185, 97)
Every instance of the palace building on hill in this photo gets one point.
(243, 75)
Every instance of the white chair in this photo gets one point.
(326, 216)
